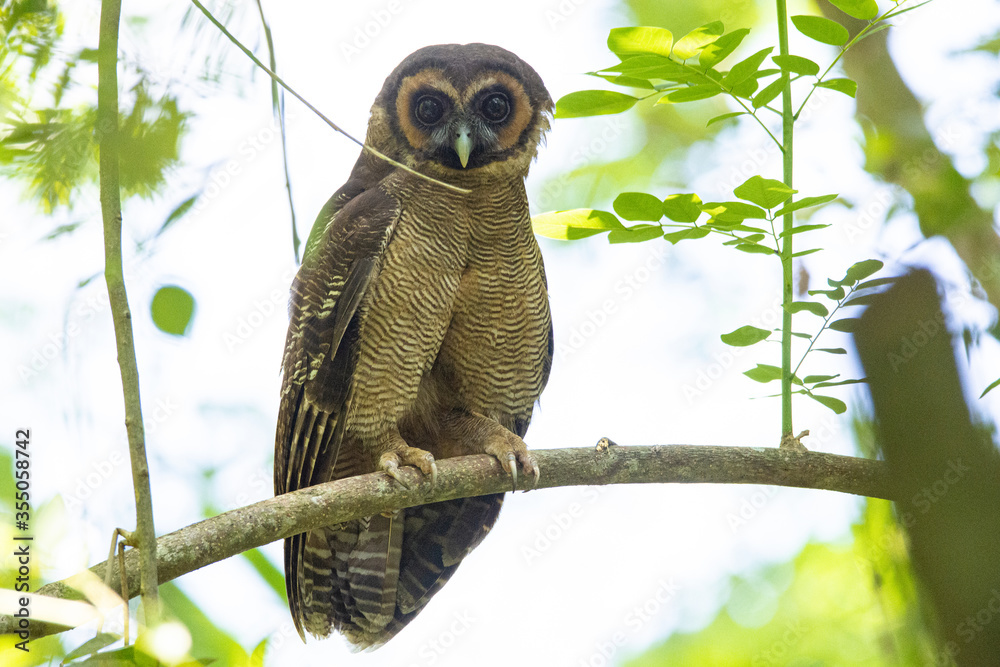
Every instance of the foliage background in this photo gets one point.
(732, 575)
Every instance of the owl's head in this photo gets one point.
(461, 108)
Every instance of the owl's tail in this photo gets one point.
(368, 578)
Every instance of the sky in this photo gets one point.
(573, 576)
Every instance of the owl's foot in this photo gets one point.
(404, 455)
(510, 450)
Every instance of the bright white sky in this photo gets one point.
(560, 577)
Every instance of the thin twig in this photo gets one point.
(111, 209)
(316, 111)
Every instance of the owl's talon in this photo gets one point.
(390, 461)
(512, 462)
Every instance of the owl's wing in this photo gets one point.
(320, 350)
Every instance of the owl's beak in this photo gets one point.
(463, 143)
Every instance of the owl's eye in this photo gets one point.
(495, 107)
(429, 110)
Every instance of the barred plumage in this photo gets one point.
(419, 329)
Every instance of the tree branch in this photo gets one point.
(239, 530)
(111, 209)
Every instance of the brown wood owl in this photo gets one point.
(420, 329)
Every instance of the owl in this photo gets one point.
(419, 330)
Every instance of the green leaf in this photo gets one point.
(745, 68)
(835, 294)
(835, 404)
(179, 211)
(810, 379)
(752, 238)
(878, 282)
(654, 67)
(624, 80)
(638, 206)
(763, 373)
(993, 385)
(725, 116)
(862, 270)
(803, 253)
(800, 229)
(770, 91)
(574, 224)
(845, 86)
(685, 234)
(839, 383)
(636, 234)
(755, 249)
(625, 42)
(765, 192)
(805, 202)
(682, 207)
(745, 336)
(733, 211)
(714, 53)
(861, 300)
(691, 93)
(92, 645)
(864, 10)
(796, 65)
(593, 103)
(690, 44)
(821, 29)
(809, 306)
(172, 308)
(848, 324)
(830, 350)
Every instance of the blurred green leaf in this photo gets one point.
(993, 385)
(821, 29)
(733, 211)
(690, 44)
(593, 103)
(172, 308)
(574, 224)
(625, 42)
(800, 229)
(830, 350)
(92, 645)
(271, 575)
(744, 336)
(863, 269)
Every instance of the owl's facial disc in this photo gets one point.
(463, 127)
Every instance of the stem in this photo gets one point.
(107, 130)
(787, 125)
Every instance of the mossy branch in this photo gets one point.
(239, 530)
